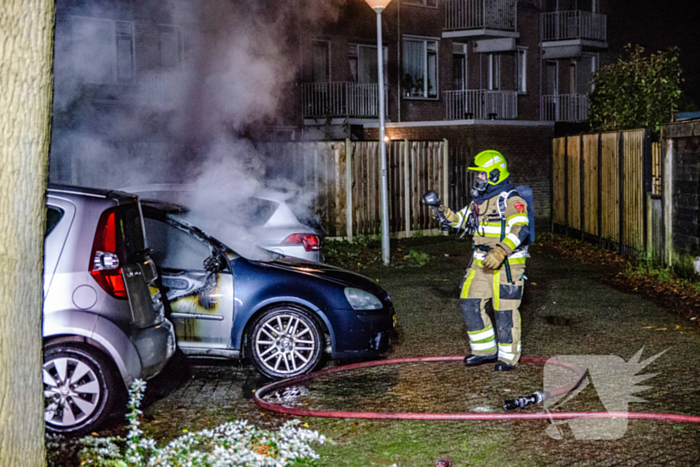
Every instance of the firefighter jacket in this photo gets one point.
(501, 220)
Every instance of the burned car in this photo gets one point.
(285, 314)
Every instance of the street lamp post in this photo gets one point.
(378, 6)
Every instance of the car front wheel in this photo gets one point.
(285, 342)
(79, 389)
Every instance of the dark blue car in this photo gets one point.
(284, 314)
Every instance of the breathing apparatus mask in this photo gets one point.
(480, 185)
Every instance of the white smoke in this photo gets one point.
(180, 125)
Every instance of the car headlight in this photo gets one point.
(361, 300)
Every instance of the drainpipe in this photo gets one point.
(398, 61)
(667, 217)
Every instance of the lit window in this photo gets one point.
(419, 78)
(521, 69)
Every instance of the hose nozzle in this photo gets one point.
(522, 402)
(432, 200)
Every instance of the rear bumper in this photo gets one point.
(155, 346)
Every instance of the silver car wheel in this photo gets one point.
(286, 343)
(71, 391)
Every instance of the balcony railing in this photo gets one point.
(564, 108)
(481, 14)
(341, 99)
(481, 104)
(575, 24)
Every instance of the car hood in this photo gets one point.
(327, 272)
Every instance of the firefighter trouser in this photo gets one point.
(479, 286)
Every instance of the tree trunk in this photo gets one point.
(26, 43)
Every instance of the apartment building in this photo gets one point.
(454, 61)
(481, 73)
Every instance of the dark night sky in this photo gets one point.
(657, 25)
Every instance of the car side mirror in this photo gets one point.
(213, 264)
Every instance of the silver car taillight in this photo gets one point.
(310, 242)
(104, 261)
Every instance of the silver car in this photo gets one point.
(267, 217)
(104, 323)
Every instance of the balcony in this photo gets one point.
(481, 104)
(565, 34)
(341, 99)
(564, 108)
(480, 19)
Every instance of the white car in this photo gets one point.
(265, 219)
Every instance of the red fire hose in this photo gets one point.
(260, 393)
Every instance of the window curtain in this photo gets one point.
(413, 68)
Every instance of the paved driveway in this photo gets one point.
(566, 311)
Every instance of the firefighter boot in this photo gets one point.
(475, 360)
(503, 366)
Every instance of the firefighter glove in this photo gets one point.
(494, 258)
(449, 214)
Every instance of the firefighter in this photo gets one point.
(498, 220)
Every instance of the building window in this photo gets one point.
(429, 3)
(494, 79)
(459, 67)
(586, 68)
(103, 49)
(521, 69)
(320, 61)
(171, 47)
(419, 77)
(363, 63)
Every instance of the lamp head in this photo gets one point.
(378, 5)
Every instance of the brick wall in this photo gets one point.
(686, 196)
(527, 149)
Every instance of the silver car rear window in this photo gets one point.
(53, 216)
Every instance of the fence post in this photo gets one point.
(621, 174)
(600, 190)
(566, 185)
(407, 190)
(551, 186)
(445, 172)
(646, 176)
(667, 193)
(348, 189)
(445, 175)
(582, 188)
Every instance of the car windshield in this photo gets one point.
(242, 244)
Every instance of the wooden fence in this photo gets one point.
(602, 189)
(345, 178)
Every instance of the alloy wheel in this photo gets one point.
(71, 391)
(286, 344)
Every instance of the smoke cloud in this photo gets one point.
(153, 92)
